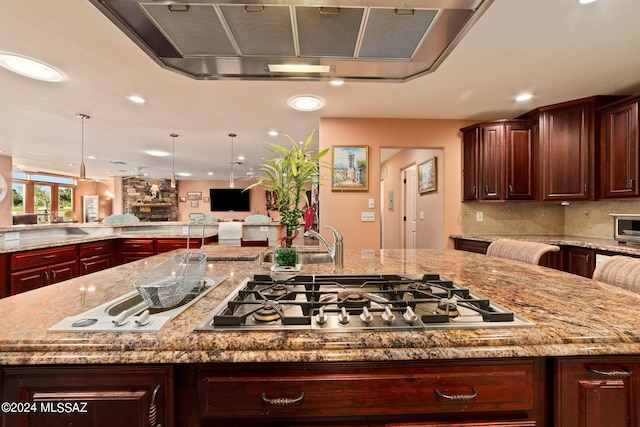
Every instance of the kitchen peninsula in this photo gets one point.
(584, 341)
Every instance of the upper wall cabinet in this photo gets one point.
(498, 160)
(619, 151)
(567, 148)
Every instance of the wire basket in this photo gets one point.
(169, 282)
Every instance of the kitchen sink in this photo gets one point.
(130, 313)
(303, 257)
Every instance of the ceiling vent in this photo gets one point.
(362, 40)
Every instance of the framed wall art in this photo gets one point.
(350, 168)
(194, 203)
(194, 195)
(428, 176)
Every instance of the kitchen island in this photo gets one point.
(579, 324)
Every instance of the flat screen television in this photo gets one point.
(229, 199)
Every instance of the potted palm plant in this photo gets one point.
(291, 172)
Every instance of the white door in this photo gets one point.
(409, 189)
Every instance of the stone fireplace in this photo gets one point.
(150, 199)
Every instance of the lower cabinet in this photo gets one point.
(37, 268)
(84, 396)
(135, 249)
(580, 261)
(95, 256)
(597, 392)
(364, 394)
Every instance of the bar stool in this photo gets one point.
(621, 271)
(518, 250)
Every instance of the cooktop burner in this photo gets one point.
(355, 303)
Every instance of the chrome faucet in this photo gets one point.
(336, 250)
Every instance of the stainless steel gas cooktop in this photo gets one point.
(356, 303)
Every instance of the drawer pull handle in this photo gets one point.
(612, 374)
(282, 401)
(48, 256)
(458, 397)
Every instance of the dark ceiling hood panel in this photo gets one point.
(372, 40)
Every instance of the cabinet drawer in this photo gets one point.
(300, 393)
(137, 245)
(98, 248)
(31, 259)
(165, 245)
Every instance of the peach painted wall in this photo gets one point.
(95, 188)
(342, 209)
(258, 199)
(6, 205)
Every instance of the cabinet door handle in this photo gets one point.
(153, 410)
(53, 276)
(587, 260)
(282, 401)
(585, 189)
(631, 182)
(625, 373)
(46, 278)
(458, 397)
(486, 189)
(510, 188)
(99, 248)
(474, 190)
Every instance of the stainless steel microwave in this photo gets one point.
(626, 227)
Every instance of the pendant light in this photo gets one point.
(173, 159)
(231, 179)
(83, 172)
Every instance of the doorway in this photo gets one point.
(409, 207)
(424, 212)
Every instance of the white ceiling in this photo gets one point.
(557, 49)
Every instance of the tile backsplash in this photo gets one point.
(587, 219)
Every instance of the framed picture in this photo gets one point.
(183, 199)
(194, 203)
(428, 176)
(350, 168)
(205, 200)
(194, 195)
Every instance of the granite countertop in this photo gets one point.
(572, 316)
(605, 245)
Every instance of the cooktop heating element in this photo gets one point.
(355, 303)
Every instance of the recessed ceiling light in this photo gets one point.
(30, 68)
(137, 99)
(586, 1)
(91, 157)
(273, 133)
(209, 173)
(240, 157)
(157, 153)
(337, 82)
(299, 68)
(524, 97)
(306, 103)
(184, 174)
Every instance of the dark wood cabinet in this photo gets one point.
(293, 394)
(498, 161)
(95, 256)
(135, 249)
(470, 163)
(619, 149)
(580, 261)
(567, 148)
(471, 246)
(37, 268)
(84, 396)
(166, 245)
(596, 392)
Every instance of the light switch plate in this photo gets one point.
(367, 216)
(372, 203)
(479, 217)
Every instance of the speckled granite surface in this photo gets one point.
(573, 316)
(605, 245)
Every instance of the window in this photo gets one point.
(36, 193)
(18, 197)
